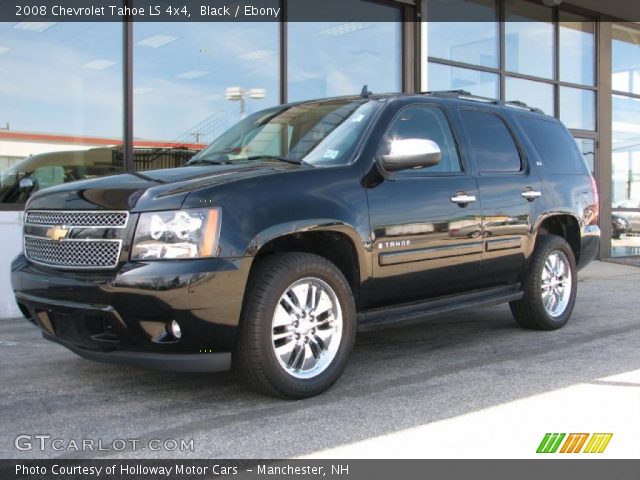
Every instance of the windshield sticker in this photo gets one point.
(358, 118)
(331, 154)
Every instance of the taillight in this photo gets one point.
(596, 202)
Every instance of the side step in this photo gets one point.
(410, 313)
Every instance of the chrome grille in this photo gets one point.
(89, 239)
(73, 253)
(78, 219)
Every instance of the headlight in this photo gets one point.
(177, 234)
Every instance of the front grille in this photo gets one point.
(73, 253)
(78, 219)
(74, 239)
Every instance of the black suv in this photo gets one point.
(306, 222)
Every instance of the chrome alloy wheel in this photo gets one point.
(307, 328)
(556, 283)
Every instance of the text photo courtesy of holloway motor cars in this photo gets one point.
(319, 238)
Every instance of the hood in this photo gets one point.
(149, 190)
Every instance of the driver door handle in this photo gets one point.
(531, 194)
(463, 198)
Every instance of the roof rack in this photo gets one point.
(465, 95)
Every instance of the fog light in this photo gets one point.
(174, 328)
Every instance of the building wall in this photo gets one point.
(10, 226)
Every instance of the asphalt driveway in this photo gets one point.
(399, 386)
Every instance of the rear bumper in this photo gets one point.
(590, 245)
(123, 316)
(197, 362)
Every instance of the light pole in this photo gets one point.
(236, 94)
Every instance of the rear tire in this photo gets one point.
(297, 327)
(550, 286)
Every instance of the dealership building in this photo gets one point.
(143, 91)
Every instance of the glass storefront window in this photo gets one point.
(625, 163)
(529, 39)
(61, 91)
(625, 59)
(474, 42)
(181, 75)
(444, 77)
(577, 49)
(578, 108)
(534, 94)
(330, 59)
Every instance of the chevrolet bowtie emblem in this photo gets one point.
(57, 233)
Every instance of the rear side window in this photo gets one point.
(491, 142)
(556, 148)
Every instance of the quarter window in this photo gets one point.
(491, 142)
(426, 123)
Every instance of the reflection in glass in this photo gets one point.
(529, 39)
(61, 91)
(578, 108)
(626, 59)
(534, 94)
(588, 148)
(182, 72)
(474, 42)
(625, 159)
(444, 77)
(577, 49)
(329, 59)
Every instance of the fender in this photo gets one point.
(360, 240)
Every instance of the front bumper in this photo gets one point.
(122, 316)
(186, 362)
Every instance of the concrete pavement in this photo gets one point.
(469, 384)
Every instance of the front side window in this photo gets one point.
(319, 133)
(491, 142)
(425, 123)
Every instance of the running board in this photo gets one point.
(409, 313)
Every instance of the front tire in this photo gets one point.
(297, 327)
(550, 286)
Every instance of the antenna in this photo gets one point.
(365, 92)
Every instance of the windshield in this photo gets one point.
(317, 133)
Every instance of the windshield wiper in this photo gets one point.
(200, 161)
(273, 157)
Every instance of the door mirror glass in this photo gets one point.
(27, 184)
(409, 153)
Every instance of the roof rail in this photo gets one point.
(465, 95)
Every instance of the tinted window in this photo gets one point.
(429, 123)
(556, 148)
(491, 142)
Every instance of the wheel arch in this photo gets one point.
(336, 241)
(562, 224)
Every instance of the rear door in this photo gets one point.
(426, 222)
(510, 190)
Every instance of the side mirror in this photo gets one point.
(27, 184)
(411, 153)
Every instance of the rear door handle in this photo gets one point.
(531, 195)
(463, 198)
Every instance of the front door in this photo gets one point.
(426, 222)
